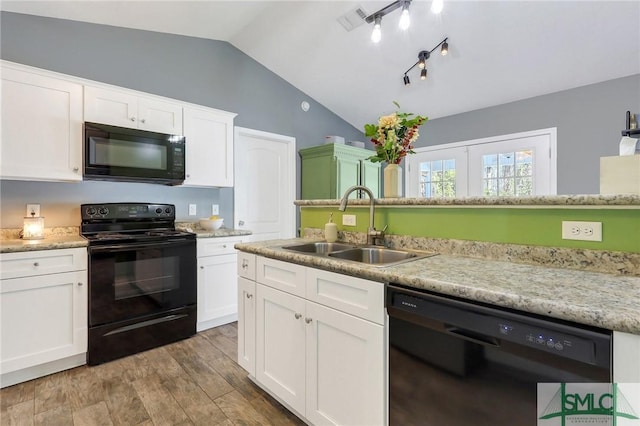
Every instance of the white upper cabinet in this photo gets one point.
(41, 127)
(127, 109)
(209, 147)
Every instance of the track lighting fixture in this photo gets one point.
(423, 56)
(437, 6)
(376, 18)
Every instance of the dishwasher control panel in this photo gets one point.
(488, 325)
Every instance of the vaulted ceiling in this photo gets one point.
(499, 51)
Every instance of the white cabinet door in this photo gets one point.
(284, 276)
(247, 325)
(217, 290)
(41, 127)
(209, 146)
(159, 116)
(44, 318)
(128, 109)
(280, 345)
(110, 107)
(345, 368)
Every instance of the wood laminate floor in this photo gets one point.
(193, 382)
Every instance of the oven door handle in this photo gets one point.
(474, 337)
(135, 246)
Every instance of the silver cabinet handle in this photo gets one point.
(202, 267)
(143, 120)
(224, 246)
(298, 316)
(79, 284)
(188, 175)
(249, 295)
(36, 264)
(308, 320)
(132, 119)
(245, 264)
(241, 223)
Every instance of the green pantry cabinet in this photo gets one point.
(328, 170)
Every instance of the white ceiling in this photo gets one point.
(499, 51)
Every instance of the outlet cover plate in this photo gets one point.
(349, 219)
(33, 208)
(192, 210)
(582, 231)
(215, 209)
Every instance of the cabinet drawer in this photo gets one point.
(355, 296)
(284, 276)
(247, 265)
(42, 262)
(215, 246)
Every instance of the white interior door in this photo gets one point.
(264, 184)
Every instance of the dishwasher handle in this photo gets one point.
(472, 336)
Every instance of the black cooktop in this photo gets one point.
(129, 223)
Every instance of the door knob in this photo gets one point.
(249, 295)
(298, 316)
(308, 320)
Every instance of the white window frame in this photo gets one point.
(545, 185)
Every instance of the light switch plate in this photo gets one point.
(349, 219)
(33, 210)
(192, 210)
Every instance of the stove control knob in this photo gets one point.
(158, 210)
(103, 211)
(91, 211)
(167, 210)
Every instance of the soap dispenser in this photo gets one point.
(330, 230)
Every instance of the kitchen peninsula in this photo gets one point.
(498, 266)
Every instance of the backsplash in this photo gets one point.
(611, 262)
(530, 225)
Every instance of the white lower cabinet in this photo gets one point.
(324, 361)
(44, 315)
(247, 325)
(217, 285)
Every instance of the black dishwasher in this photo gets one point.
(454, 362)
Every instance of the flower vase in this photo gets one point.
(393, 181)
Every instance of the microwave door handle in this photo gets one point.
(130, 247)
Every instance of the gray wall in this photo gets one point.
(589, 120)
(205, 72)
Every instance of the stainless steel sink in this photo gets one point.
(379, 256)
(319, 247)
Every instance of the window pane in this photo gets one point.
(501, 169)
(437, 179)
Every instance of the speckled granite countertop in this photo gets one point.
(628, 201)
(218, 233)
(49, 243)
(602, 300)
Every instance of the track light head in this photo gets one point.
(406, 80)
(405, 19)
(445, 48)
(376, 34)
(423, 74)
(422, 58)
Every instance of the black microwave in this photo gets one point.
(132, 155)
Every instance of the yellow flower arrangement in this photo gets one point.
(394, 135)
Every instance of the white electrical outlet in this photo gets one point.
(349, 219)
(192, 210)
(33, 210)
(215, 209)
(584, 231)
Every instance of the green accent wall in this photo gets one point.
(530, 226)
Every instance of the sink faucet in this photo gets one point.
(374, 237)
